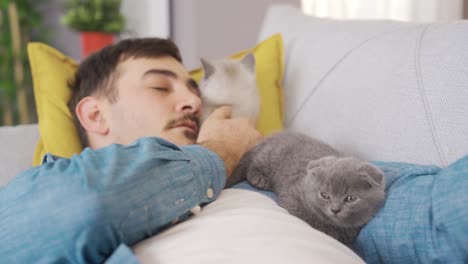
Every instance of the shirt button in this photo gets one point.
(209, 193)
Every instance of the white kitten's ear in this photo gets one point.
(208, 68)
(371, 174)
(249, 62)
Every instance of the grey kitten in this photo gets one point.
(230, 82)
(334, 194)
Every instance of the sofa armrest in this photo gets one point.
(16, 151)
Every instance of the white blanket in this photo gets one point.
(243, 227)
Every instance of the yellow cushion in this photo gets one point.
(52, 70)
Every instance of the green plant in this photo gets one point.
(20, 22)
(94, 15)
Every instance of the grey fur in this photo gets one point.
(299, 168)
(230, 82)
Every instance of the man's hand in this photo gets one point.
(228, 137)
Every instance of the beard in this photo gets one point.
(191, 135)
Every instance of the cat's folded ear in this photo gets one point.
(208, 68)
(249, 62)
(317, 163)
(371, 174)
(312, 164)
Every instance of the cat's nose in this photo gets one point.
(335, 211)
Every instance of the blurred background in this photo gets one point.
(201, 28)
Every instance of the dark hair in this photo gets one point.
(97, 73)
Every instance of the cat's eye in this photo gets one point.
(350, 199)
(324, 195)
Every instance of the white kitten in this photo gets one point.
(230, 82)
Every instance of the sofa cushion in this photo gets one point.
(382, 90)
(424, 219)
(52, 70)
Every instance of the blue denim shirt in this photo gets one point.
(92, 207)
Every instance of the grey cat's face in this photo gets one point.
(346, 191)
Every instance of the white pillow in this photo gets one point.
(381, 90)
(242, 226)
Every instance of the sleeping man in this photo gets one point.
(146, 163)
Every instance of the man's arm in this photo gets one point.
(83, 208)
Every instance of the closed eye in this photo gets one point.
(161, 89)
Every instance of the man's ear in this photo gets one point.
(90, 113)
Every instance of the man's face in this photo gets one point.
(156, 97)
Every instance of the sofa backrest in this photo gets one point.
(381, 90)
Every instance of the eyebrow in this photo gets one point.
(190, 82)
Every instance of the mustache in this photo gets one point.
(191, 117)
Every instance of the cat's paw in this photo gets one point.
(259, 181)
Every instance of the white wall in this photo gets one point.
(146, 18)
(208, 28)
(405, 10)
(217, 28)
(62, 38)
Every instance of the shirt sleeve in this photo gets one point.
(103, 198)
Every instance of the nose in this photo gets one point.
(335, 210)
(188, 102)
